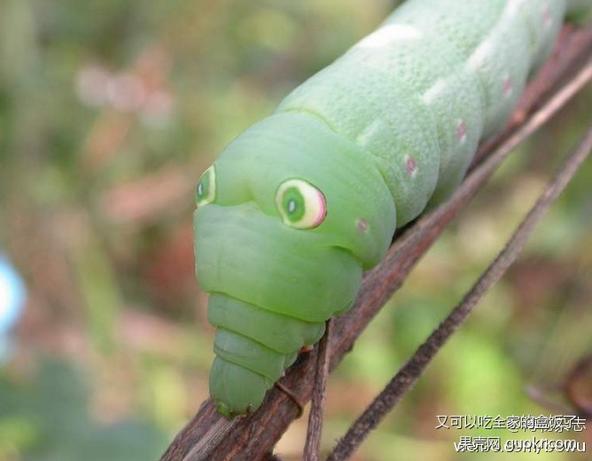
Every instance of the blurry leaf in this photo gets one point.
(18, 50)
(48, 419)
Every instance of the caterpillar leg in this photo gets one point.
(283, 235)
(248, 363)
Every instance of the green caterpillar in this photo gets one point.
(301, 203)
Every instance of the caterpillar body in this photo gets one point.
(301, 203)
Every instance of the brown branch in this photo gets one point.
(577, 379)
(408, 375)
(541, 397)
(312, 446)
(212, 437)
(252, 437)
(568, 54)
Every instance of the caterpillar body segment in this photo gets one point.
(300, 204)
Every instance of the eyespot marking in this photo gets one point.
(300, 204)
(410, 165)
(205, 191)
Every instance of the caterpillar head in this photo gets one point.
(287, 219)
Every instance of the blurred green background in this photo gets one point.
(109, 112)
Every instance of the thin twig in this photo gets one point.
(579, 373)
(257, 433)
(312, 446)
(413, 369)
(542, 398)
(217, 432)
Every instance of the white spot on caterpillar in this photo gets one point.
(461, 131)
(389, 34)
(371, 130)
(435, 91)
(508, 87)
(547, 17)
(514, 6)
(410, 165)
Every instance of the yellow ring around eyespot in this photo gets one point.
(315, 204)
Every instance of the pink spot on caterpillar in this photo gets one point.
(307, 348)
(411, 165)
(508, 87)
(461, 131)
(362, 225)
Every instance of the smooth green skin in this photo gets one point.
(387, 130)
(273, 286)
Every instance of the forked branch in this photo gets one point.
(210, 436)
(408, 375)
(312, 447)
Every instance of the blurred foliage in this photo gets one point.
(110, 110)
(49, 420)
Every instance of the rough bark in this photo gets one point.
(209, 436)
